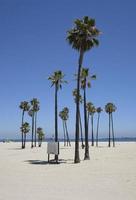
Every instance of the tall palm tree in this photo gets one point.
(98, 110)
(91, 111)
(86, 82)
(80, 120)
(24, 106)
(56, 79)
(31, 114)
(35, 107)
(40, 136)
(82, 38)
(25, 128)
(110, 108)
(64, 116)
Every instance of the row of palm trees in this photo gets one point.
(89, 110)
(82, 37)
(109, 108)
(31, 108)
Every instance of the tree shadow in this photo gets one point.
(43, 162)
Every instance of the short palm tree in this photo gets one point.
(24, 106)
(110, 108)
(35, 108)
(86, 82)
(25, 128)
(82, 38)
(56, 79)
(74, 93)
(40, 134)
(91, 111)
(64, 115)
(98, 110)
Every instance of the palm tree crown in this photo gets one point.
(24, 105)
(110, 107)
(92, 110)
(64, 114)
(25, 128)
(86, 78)
(83, 35)
(57, 79)
(89, 106)
(75, 96)
(99, 110)
(35, 104)
(40, 133)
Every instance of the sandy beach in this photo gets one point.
(109, 174)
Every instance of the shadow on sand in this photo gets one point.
(41, 162)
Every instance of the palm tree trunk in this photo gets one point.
(88, 122)
(22, 131)
(77, 158)
(64, 133)
(92, 130)
(112, 131)
(24, 140)
(109, 131)
(56, 119)
(68, 140)
(39, 143)
(35, 128)
(97, 129)
(32, 130)
(80, 121)
(86, 157)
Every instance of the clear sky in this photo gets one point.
(33, 45)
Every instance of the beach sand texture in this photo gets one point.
(110, 174)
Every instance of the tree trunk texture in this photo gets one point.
(56, 118)
(64, 133)
(22, 131)
(97, 132)
(109, 131)
(32, 130)
(77, 158)
(113, 138)
(86, 157)
(81, 131)
(35, 127)
(24, 140)
(68, 140)
(92, 130)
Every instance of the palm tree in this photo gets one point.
(86, 82)
(57, 80)
(61, 114)
(110, 108)
(40, 136)
(91, 111)
(64, 116)
(80, 121)
(35, 107)
(31, 114)
(24, 106)
(98, 110)
(25, 128)
(82, 38)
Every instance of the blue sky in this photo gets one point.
(33, 45)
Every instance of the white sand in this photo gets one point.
(109, 175)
